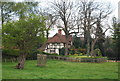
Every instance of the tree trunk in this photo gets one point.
(2, 14)
(92, 47)
(66, 46)
(85, 40)
(101, 47)
(21, 61)
(88, 43)
(47, 33)
(88, 48)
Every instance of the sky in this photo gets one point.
(44, 3)
(114, 4)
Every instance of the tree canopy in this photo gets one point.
(24, 34)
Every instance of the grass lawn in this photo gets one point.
(61, 70)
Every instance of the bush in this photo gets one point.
(62, 51)
(98, 52)
(11, 52)
(72, 52)
(33, 54)
(111, 54)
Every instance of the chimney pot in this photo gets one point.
(60, 31)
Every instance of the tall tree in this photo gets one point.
(50, 22)
(116, 37)
(6, 11)
(23, 34)
(77, 42)
(90, 13)
(9, 10)
(64, 10)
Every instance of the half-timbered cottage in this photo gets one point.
(57, 42)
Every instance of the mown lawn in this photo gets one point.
(61, 70)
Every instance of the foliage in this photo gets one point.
(62, 51)
(63, 10)
(112, 43)
(23, 34)
(116, 38)
(56, 69)
(84, 56)
(77, 42)
(20, 10)
(72, 52)
(98, 52)
(11, 52)
(77, 51)
(33, 54)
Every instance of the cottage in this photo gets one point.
(57, 42)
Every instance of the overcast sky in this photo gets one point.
(45, 3)
(114, 4)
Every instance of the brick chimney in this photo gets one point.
(60, 31)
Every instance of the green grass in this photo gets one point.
(0, 70)
(61, 70)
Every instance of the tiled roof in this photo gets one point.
(58, 38)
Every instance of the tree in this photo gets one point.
(6, 10)
(90, 14)
(116, 37)
(64, 10)
(11, 9)
(50, 22)
(77, 42)
(99, 36)
(24, 35)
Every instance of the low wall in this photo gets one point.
(70, 59)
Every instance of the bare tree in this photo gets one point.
(99, 35)
(50, 23)
(92, 13)
(64, 9)
(86, 20)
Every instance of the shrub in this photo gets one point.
(11, 52)
(33, 54)
(111, 54)
(62, 51)
(76, 54)
(72, 52)
(98, 52)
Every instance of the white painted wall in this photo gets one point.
(51, 46)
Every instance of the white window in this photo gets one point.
(52, 51)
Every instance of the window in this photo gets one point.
(55, 44)
(52, 51)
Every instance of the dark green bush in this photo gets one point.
(110, 53)
(62, 51)
(10, 52)
(72, 52)
(33, 54)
